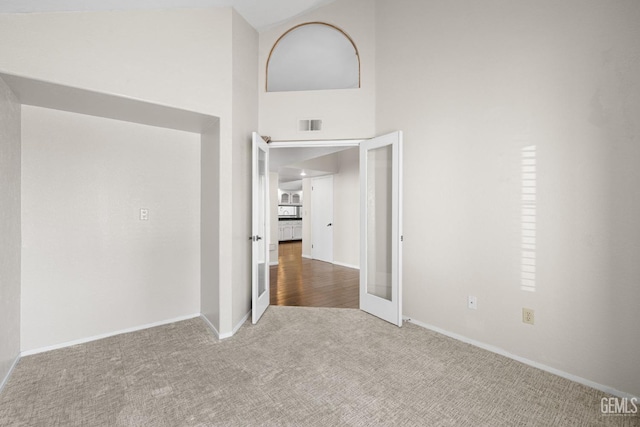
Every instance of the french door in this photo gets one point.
(260, 229)
(381, 227)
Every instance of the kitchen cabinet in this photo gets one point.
(289, 197)
(297, 231)
(289, 230)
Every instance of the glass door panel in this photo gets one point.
(379, 182)
(380, 227)
(260, 228)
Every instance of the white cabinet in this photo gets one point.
(286, 232)
(297, 231)
(289, 197)
(290, 230)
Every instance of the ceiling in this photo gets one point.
(280, 157)
(290, 162)
(261, 14)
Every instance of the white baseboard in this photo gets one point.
(273, 263)
(210, 325)
(228, 334)
(342, 264)
(497, 350)
(6, 377)
(239, 324)
(107, 335)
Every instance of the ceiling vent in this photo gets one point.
(310, 125)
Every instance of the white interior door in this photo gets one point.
(381, 227)
(260, 229)
(322, 218)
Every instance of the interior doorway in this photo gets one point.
(306, 271)
(380, 229)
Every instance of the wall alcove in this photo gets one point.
(107, 157)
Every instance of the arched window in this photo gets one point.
(313, 56)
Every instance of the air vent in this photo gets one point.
(310, 125)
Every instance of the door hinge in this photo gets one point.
(402, 238)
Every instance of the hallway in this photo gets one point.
(298, 281)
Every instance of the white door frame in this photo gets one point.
(316, 144)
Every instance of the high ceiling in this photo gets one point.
(261, 14)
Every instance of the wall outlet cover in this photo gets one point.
(528, 316)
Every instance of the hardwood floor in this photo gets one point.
(309, 283)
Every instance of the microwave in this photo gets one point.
(289, 211)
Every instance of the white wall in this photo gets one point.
(181, 58)
(209, 225)
(306, 217)
(10, 154)
(347, 113)
(470, 84)
(274, 229)
(245, 121)
(90, 266)
(346, 209)
(174, 57)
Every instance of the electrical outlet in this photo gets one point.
(472, 302)
(527, 316)
(144, 214)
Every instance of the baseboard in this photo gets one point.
(107, 335)
(210, 325)
(497, 350)
(240, 323)
(273, 263)
(6, 377)
(228, 334)
(342, 264)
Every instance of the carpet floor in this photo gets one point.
(296, 367)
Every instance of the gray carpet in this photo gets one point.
(297, 367)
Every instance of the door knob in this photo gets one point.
(329, 225)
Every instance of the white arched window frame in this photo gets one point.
(313, 56)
